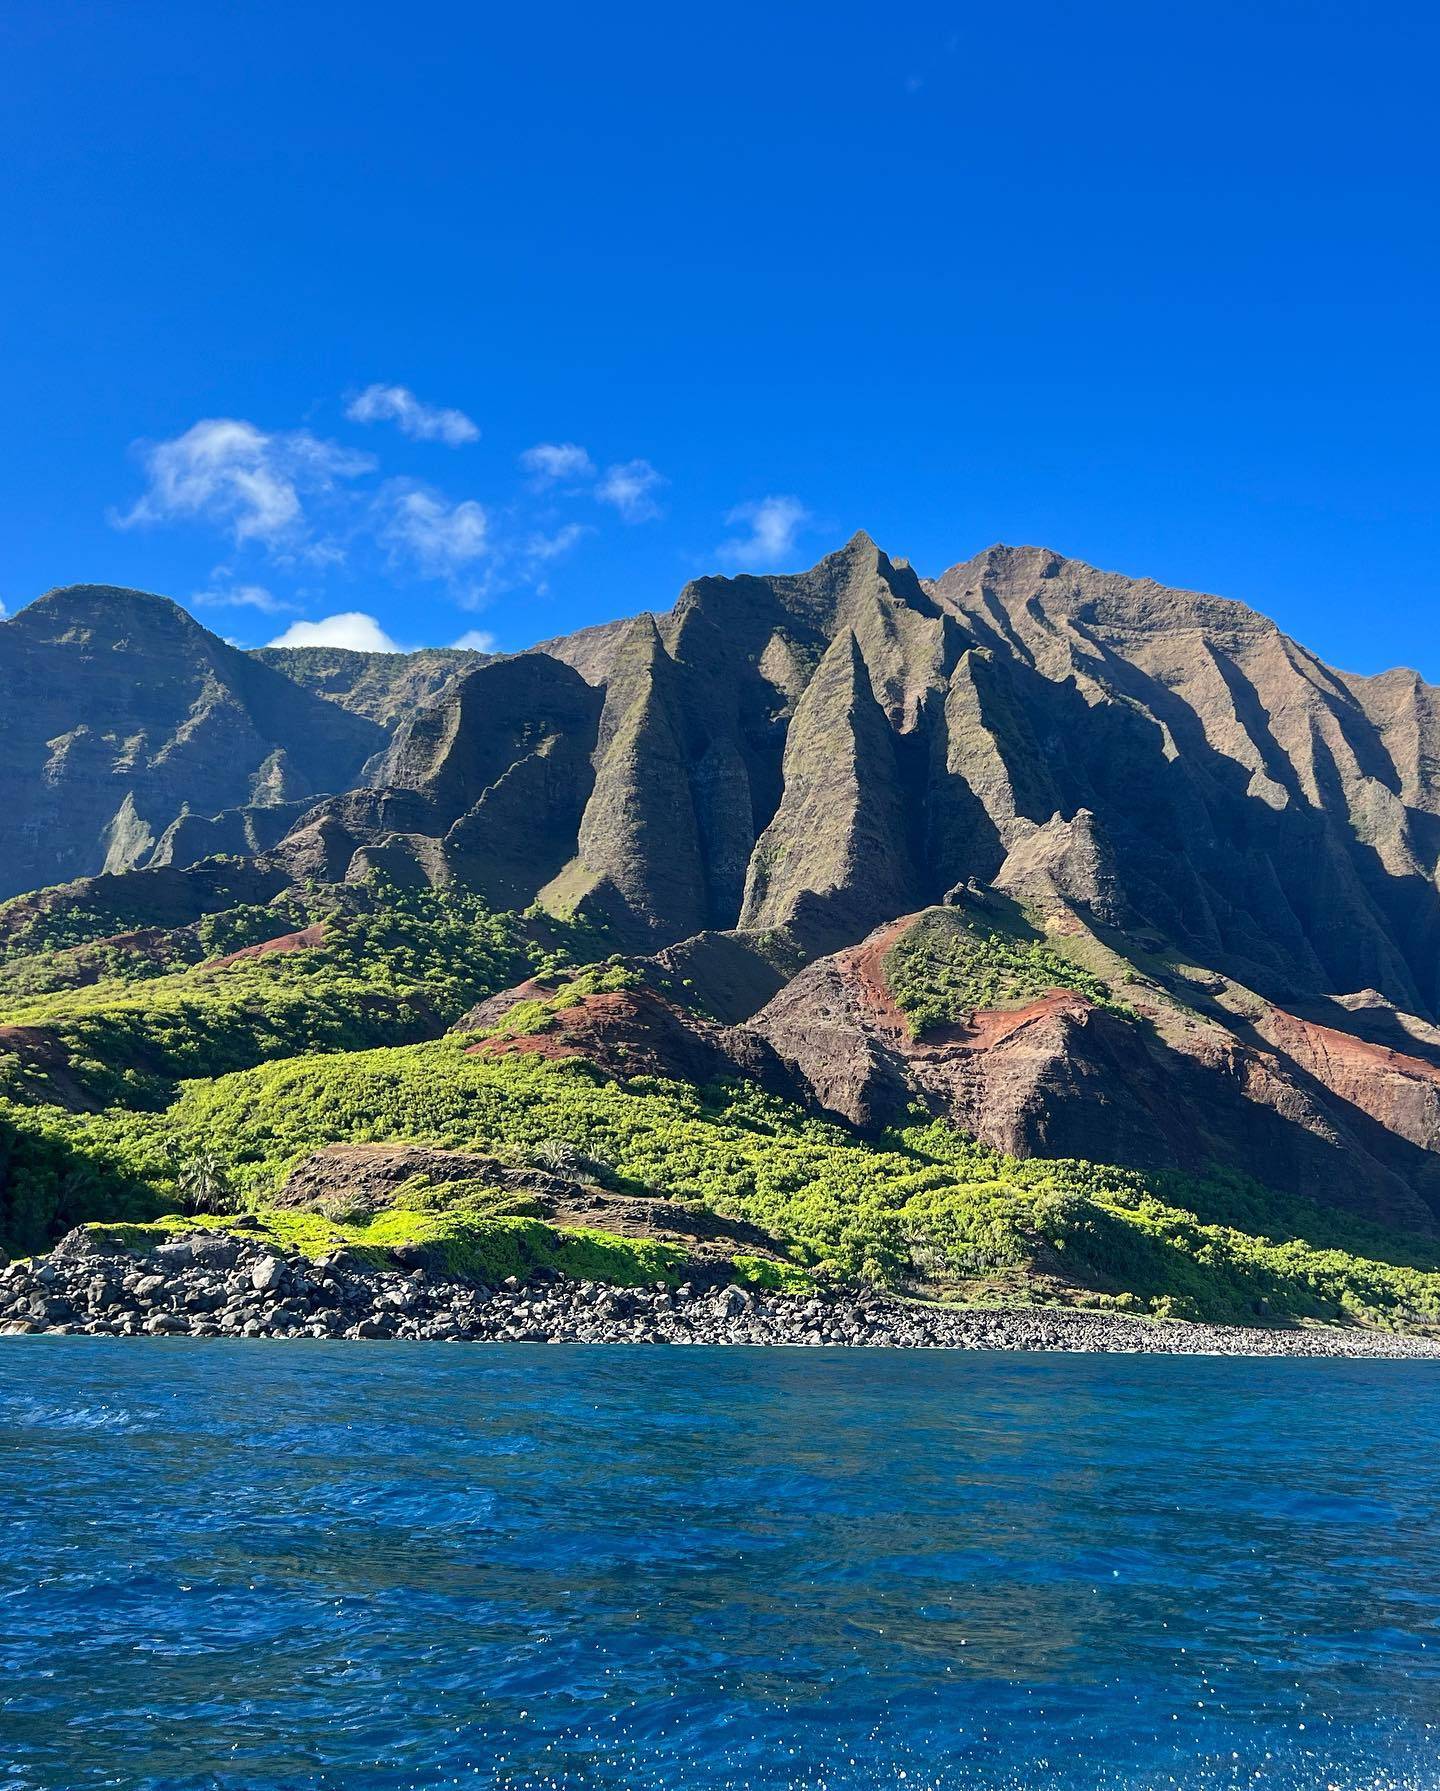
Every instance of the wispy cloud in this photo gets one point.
(550, 463)
(772, 525)
(550, 547)
(242, 597)
(422, 422)
(351, 628)
(250, 482)
(630, 488)
(477, 640)
(291, 499)
(437, 537)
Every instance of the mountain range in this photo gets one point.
(1081, 865)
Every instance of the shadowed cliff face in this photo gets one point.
(120, 715)
(755, 781)
(823, 751)
(487, 786)
(1273, 814)
(817, 751)
(765, 742)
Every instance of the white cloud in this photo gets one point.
(478, 640)
(549, 462)
(361, 633)
(226, 471)
(630, 487)
(2, 606)
(774, 523)
(550, 547)
(422, 422)
(242, 597)
(437, 536)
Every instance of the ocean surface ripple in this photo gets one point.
(383, 1567)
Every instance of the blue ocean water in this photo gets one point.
(259, 1566)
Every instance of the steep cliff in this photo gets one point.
(121, 715)
(383, 687)
(756, 794)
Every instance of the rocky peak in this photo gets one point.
(820, 743)
(1036, 588)
(835, 858)
(121, 714)
(112, 615)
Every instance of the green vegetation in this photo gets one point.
(488, 1249)
(101, 950)
(950, 964)
(56, 921)
(51, 1181)
(773, 1277)
(394, 966)
(136, 926)
(922, 1209)
(527, 1018)
(186, 1094)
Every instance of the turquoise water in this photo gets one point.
(374, 1566)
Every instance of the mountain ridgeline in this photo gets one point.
(827, 751)
(1081, 866)
(130, 735)
(819, 752)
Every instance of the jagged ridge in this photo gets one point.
(781, 764)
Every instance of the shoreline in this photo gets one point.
(213, 1286)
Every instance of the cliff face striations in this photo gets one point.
(122, 718)
(1088, 865)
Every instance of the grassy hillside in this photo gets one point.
(382, 969)
(922, 1209)
(199, 1088)
(950, 964)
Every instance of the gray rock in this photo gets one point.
(208, 1250)
(68, 1295)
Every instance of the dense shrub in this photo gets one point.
(845, 1205)
(396, 966)
(950, 964)
(50, 1181)
(214, 1081)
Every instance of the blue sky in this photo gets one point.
(507, 320)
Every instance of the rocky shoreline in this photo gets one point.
(220, 1286)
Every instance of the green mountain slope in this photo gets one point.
(1028, 933)
(124, 1125)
